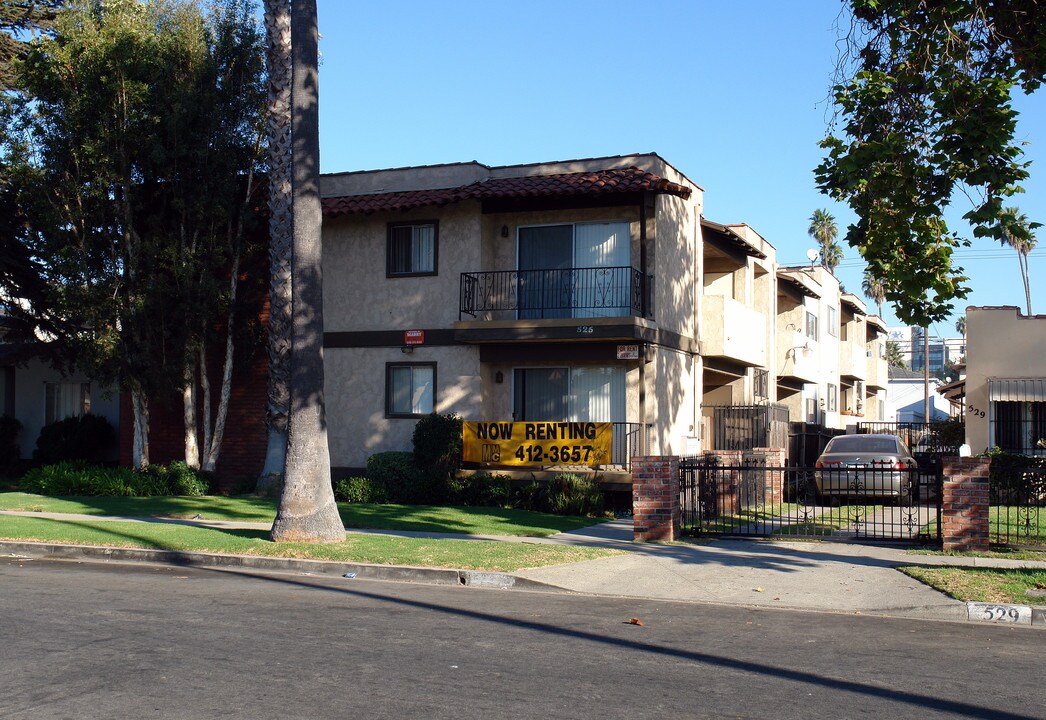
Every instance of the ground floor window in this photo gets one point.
(65, 400)
(589, 394)
(1020, 427)
(410, 389)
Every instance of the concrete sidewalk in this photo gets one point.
(819, 575)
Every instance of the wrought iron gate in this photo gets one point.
(757, 499)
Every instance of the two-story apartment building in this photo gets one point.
(557, 291)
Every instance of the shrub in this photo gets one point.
(79, 478)
(10, 452)
(361, 490)
(87, 437)
(437, 441)
(570, 494)
(481, 490)
(529, 497)
(397, 472)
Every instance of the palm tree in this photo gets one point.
(1017, 231)
(873, 288)
(307, 511)
(960, 325)
(824, 230)
(278, 127)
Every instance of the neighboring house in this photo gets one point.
(906, 398)
(36, 394)
(1005, 384)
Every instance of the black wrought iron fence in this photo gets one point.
(1017, 502)
(563, 293)
(754, 498)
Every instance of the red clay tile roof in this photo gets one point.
(601, 182)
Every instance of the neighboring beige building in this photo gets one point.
(579, 290)
(831, 354)
(1005, 385)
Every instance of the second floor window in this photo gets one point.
(412, 249)
(833, 322)
(811, 326)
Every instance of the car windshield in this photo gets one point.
(858, 443)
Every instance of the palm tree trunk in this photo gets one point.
(307, 511)
(278, 126)
(1027, 283)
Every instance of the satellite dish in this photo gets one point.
(811, 255)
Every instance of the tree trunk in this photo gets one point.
(307, 511)
(278, 126)
(140, 444)
(214, 448)
(1027, 282)
(192, 448)
(205, 396)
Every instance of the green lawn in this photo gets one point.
(471, 521)
(1017, 527)
(991, 585)
(376, 549)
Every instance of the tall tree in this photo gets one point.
(278, 126)
(925, 113)
(873, 289)
(824, 231)
(19, 21)
(133, 168)
(1017, 233)
(960, 325)
(307, 511)
(894, 356)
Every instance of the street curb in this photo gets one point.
(360, 571)
(1006, 614)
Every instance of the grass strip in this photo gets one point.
(376, 549)
(426, 518)
(990, 585)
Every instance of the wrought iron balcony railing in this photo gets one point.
(569, 293)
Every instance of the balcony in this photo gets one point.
(801, 360)
(732, 330)
(853, 360)
(594, 292)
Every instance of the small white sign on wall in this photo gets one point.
(627, 352)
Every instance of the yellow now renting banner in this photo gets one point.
(537, 443)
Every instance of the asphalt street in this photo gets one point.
(93, 640)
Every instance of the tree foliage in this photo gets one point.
(925, 111)
(894, 356)
(20, 20)
(132, 155)
(824, 230)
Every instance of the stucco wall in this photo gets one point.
(674, 263)
(355, 395)
(1001, 342)
(673, 405)
(357, 295)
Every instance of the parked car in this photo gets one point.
(866, 466)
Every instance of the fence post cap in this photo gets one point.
(965, 450)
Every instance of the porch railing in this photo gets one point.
(568, 293)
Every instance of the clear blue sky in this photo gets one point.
(735, 95)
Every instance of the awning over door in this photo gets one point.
(1017, 389)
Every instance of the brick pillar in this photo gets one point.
(773, 488)
(965, 504)
(655, 498)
